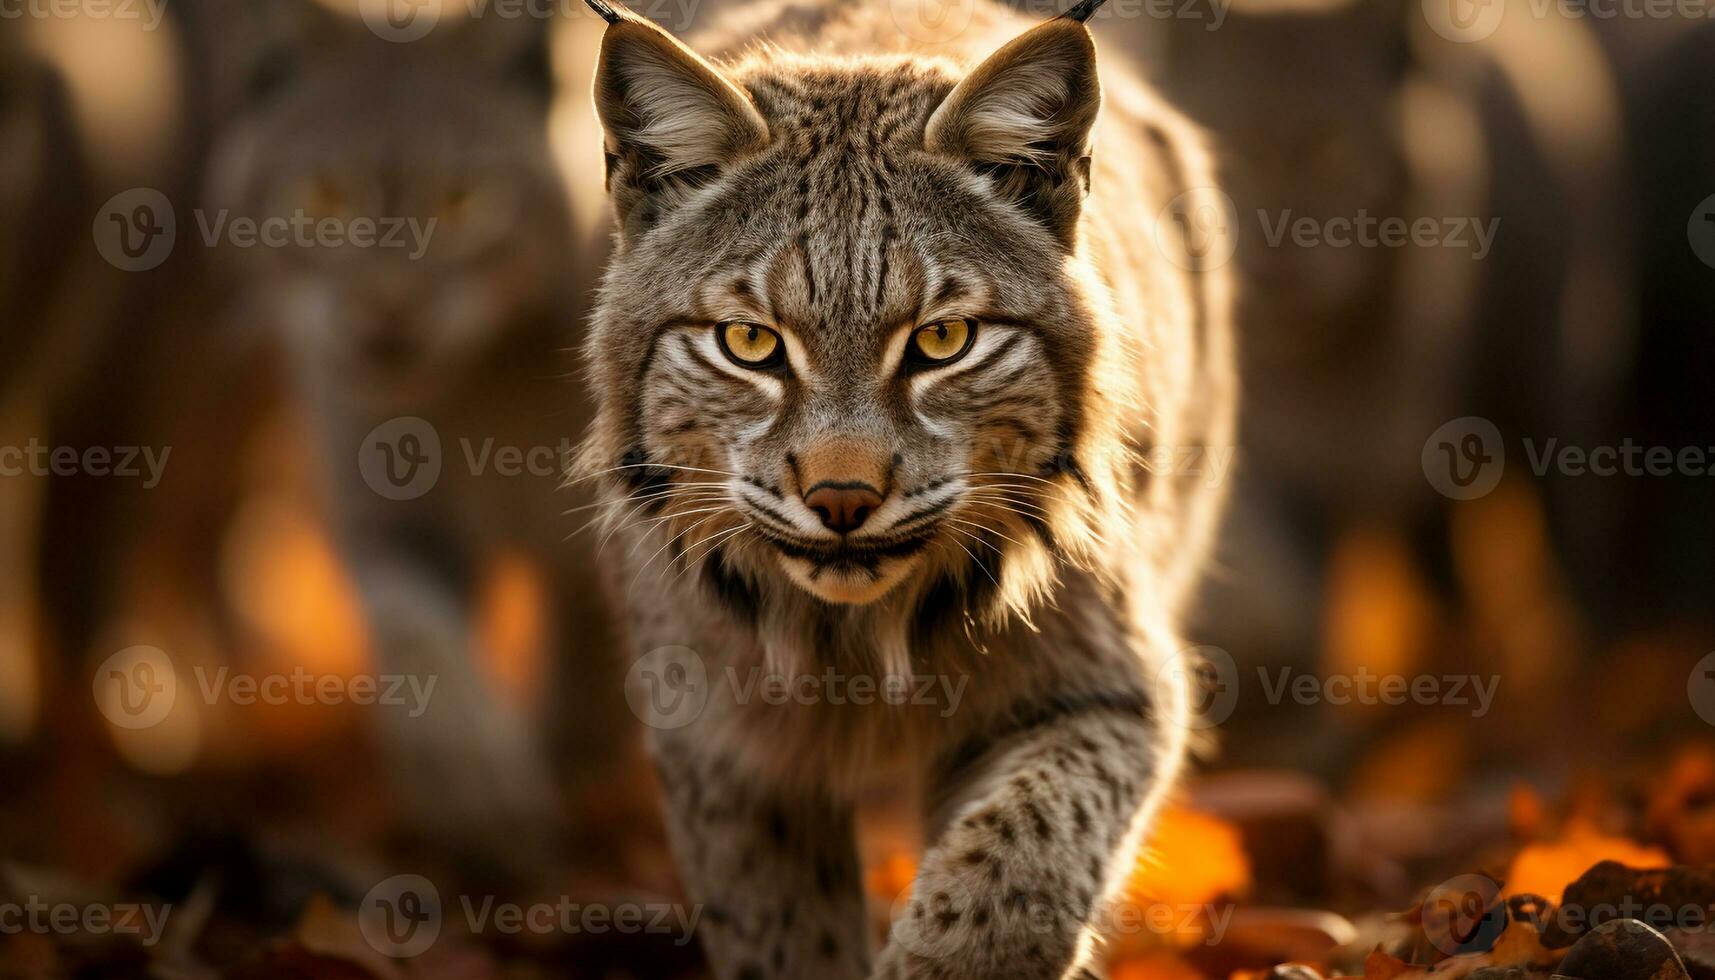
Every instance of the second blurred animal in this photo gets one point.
(427, 361)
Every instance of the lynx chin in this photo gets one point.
(881, 356)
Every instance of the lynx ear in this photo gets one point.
(1023, 118)
(670, 116)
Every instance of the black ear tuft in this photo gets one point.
(605, 10)
(1084, 10)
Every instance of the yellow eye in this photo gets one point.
(751, 345)
(943, 341)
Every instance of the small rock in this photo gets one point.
(1622, 949)
(1610, 886)
(1696, 949)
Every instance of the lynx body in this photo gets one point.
(895, 356)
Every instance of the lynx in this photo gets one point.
(1369, 350)
(453, 332)
(899, 336)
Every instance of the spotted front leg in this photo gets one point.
(1042, 827)
(776, 876)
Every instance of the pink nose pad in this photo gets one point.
(843, 507)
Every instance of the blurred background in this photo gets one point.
(290, 294)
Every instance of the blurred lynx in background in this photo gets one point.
(445, 337)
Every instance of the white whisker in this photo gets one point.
(650, 466)
(984, 527)
(974, 560)
(645, 566)
(715, 537)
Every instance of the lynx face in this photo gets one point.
(1313, 136)
(444, 218)
(844, 337)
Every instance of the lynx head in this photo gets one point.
(427, 164)
(845, 350)
(1320, 136)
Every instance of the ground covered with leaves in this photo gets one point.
(1252, 875)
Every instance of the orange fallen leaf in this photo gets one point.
(1380, 966)
(1191, 859)
(1521, 945)
(1157, 966)
(1547, 868)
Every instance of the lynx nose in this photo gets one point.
(843, 507)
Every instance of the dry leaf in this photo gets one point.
(1547, 868)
